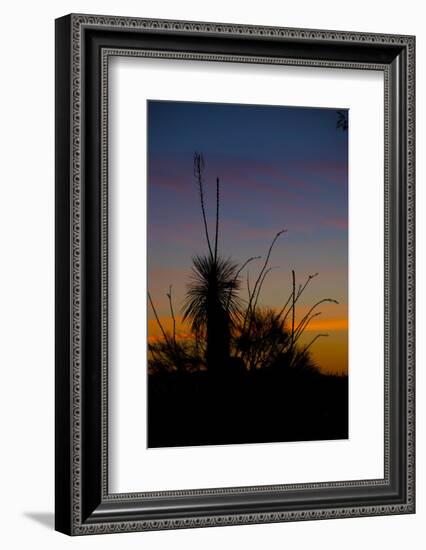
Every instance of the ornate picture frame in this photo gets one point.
(84, 45)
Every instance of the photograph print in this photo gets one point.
(247, 301)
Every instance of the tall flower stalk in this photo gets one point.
(211, 304)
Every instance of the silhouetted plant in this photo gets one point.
(282, 339)
(184, 356)
(260, 343)
(169, 354)
(342, 120)
(211, 303)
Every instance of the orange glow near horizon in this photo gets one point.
(330, 353)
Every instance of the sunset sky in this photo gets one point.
(279, 168)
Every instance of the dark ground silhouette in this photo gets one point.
(265, 405)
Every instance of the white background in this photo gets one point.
(133, 467)
(26, 301)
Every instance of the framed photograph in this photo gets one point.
(234, 274)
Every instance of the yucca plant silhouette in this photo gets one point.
(211, 304)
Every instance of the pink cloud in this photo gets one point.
(337, 223)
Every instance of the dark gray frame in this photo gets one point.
(83, 45)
